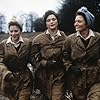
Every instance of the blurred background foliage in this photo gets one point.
(33, 24)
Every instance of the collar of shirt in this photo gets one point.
(58, 32)
(91, 34)
(15, 44)
(56, 35)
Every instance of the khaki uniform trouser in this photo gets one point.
(94, 93)
(58, 91)
(21, 89)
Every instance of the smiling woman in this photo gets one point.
(16, 81)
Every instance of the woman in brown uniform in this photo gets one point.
(14, 57)
(47, 48)
(82, 58)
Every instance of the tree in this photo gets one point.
(97, 22)
(23, 17)
(29, 23)
(3, 24)
(28, 20)
(39, 25)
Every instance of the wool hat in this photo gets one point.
(90, 18)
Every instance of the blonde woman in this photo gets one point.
(14, 57)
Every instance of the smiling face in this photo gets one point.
(80, 23)
(52, 22)
(14, 32)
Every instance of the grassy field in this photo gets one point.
(27, 35)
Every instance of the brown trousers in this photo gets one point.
(94, 93)
(20, 89)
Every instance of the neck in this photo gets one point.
(15, 41)
(85, 33)
(53, 32)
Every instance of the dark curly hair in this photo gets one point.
(47, 13)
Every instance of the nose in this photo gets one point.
(13, 32)
(76, 23)
(51, 20)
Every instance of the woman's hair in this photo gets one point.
(82, 14)
(47, 13)
(12, 23)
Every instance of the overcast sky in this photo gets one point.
(12, 7)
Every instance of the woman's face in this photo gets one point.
(52, 22)
(14, 32)
(80, 24)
